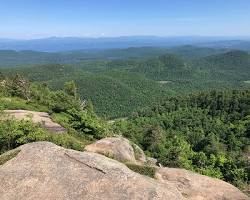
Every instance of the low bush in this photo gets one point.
(15, 133)
(142, 169)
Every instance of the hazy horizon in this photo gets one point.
(34, 19)
(220, 37)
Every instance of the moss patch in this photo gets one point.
(8, 156)
(142, 169)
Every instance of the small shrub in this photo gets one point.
(142, 169)
(66, 141)
(15, 133)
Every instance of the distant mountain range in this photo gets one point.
(12, 58)
(56, 44)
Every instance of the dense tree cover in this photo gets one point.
(119, 87)
(204, 132)
(195, 52)
(65, 107)
(229, 66)
(232, 60)
(10, 58)
(114, 93)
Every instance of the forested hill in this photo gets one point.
(113, 93)
(11, 58)
(171, 67)
(119, 87)
(233, 60)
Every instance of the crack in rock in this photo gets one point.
(92, 167)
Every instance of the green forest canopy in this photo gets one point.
(207, 132)
(119, 87)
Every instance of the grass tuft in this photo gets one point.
(8, 156)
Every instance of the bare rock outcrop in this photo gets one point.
(198, 187)
(37, 117)
(45, 171)
(118, 148)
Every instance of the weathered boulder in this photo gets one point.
(118, 148)
(198, 187)
(45, 171)
(37, 117)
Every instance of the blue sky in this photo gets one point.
(96, 18)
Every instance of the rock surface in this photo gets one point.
(45, 171)
(118, 148)
(197, 187)
(37, 117)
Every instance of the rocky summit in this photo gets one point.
(43, 170)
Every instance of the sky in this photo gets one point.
(29, 19)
